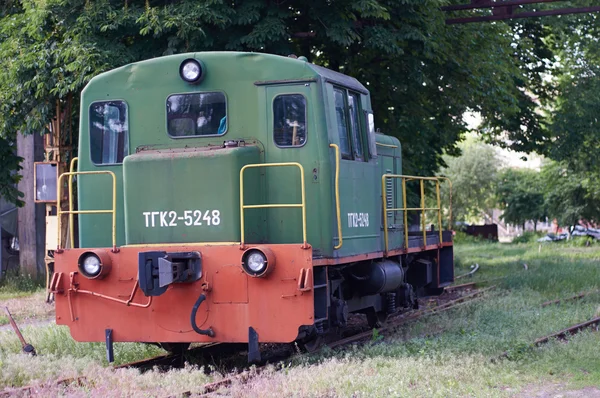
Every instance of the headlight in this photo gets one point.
(91, 265)
(191, 70)
(257, 262)
(94, 265)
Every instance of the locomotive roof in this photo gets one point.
(260, 67)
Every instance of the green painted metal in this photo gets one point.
(169, 180)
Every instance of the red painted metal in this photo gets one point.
(235, 301)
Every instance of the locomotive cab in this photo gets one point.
(237, 197)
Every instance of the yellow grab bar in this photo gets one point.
(60, 212)
(71, 229)
(279, 205)
(337, 195)
(450, 199)
(406, 209)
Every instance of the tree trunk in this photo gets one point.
(32, 224)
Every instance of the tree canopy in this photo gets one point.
(422, 74)
(474, 177)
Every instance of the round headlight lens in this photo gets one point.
(190, 70)
(256, 262)
(91, 265)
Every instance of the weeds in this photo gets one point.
(484, 350)
(14, 285)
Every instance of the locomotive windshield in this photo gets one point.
(197, 114)
(289, 118)
(108, 132)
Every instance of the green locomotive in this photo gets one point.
(252, 201)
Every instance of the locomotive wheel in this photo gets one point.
(376, 319)
(175, 348)
(312, 344)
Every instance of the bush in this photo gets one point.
(528, 237)
(463, 237)
(15, 285)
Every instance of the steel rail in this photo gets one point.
(169, 359)
(571, 330)
(468, 273)
(572, 298)
(416, 315)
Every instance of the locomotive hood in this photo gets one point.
(182, 195)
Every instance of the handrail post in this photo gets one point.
(337, 195)
(423, 212)
(404, 202)
(385, 211)
(450, 200)
(242, 227)
(305, 243)
(60, 212)
(71, 229)
(439, 205)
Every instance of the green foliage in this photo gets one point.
(464, 238)
(14, 285)
(521, 196)
(423, 75)
(9, 178)
(473, 175)
(527, 237)
(570, 195)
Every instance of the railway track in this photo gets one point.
(210, 352)
(393, 323)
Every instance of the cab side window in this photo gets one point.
(349, 124)
(342, 124)
(289, 120)
(109, 132)
(355, 125)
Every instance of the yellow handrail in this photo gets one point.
(71, 229)
(450, 199)
(406, 209)
(60, 212)
(280, 205)
(337, 195)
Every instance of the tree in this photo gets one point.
(521, 196)
(423, 75)
(473, 175)
(570, 196)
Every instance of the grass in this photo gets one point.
(455, 353)
(16, 286)
(24, 297)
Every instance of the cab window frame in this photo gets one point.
(126, 143)
(174, 137)
(360, 136)
(306, 130)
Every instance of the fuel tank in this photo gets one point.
(377, 277)
(184, 195)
